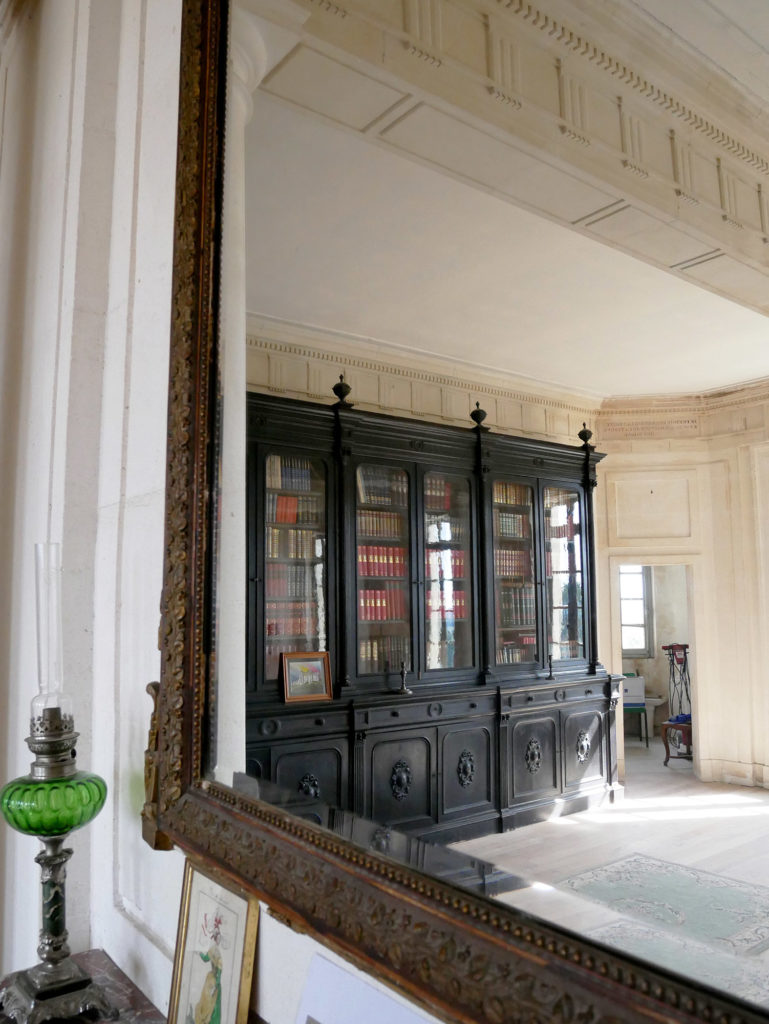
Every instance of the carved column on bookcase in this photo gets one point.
(482, 469)
(610, 726)
(345, 531)
(359, 772)
(589, 481)
(505, 758)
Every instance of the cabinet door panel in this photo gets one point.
(317, 769)
(296, 558)
(535, 761)
(564, 574)
(448, 609)
(402, 779)
(515, 602)
(383, 545)
(467, 760)
(583, 753)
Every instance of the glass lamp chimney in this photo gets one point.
(51, 707)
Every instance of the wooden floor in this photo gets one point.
(666, 813)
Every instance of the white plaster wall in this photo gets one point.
(135, 892)
(87, 164)
(42, 70)
(685, 503)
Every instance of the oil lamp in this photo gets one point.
(50, 802)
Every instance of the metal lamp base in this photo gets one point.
(53, 992)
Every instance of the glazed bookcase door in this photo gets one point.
(516, 636)
(383, 538)
(295, 607)
(564, 573)
(448, 612)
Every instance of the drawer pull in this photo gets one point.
(529, 698)
(320, 721)
(395, 714)
(473, 705)
(588, 693)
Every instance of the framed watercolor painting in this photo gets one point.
(306, 676)
(215, 950)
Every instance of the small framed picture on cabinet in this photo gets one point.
(306, 676)
(215, 950)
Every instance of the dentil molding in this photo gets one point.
(303, 363)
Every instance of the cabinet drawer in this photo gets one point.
(429, 712)
(323, 721)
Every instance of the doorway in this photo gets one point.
(654, 611)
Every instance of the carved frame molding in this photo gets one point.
(461, 956)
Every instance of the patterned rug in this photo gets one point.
(721, 912)
(703, 925)
(743, 977)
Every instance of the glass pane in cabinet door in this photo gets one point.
(563, 572)
(295, 548)
(448, 575)
(384, 574)
(514, 593)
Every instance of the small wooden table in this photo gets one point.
(685, 728)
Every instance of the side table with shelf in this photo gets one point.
(685, 729)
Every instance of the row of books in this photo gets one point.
(288, 473)
(513, 562)
(384, 654)
(442, 654)
(444, 605)
(388, 604)
(506, 493)
(524, 649)
(444, 528)
(516, 606)
(560, 562)
(273, 651)
(566, 529)
(292, 581)
(445, 563)
(437, 492)
(566, 649)
(382, 525)
(296, 618)
(381, 560)
(555, 496)
(293, 543)
(378, 485)
(293, 508)
(511, 524)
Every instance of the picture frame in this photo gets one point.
(215, 950)
(306, 676)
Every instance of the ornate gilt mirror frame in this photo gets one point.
(461, 956)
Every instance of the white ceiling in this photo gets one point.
(347, 236)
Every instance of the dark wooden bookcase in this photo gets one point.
(449, 574)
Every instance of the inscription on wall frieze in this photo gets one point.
(636, 429)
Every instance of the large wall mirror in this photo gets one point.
(458, 951)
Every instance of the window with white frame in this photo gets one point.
(636, 611)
